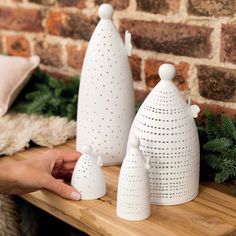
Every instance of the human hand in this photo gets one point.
(45, 171)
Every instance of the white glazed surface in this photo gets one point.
(88, 177)
(168, 135)
(133, 200)
(106, 98)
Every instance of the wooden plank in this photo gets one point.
(212, 213)
(37, 200)
(224, 187)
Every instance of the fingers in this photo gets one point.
(62, 189)
(65, 170)
(68, 166)
(64, 175)
(68, 156)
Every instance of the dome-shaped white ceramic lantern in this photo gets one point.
(106, 97)
(133, 200)
(88, 177)
(167, 132)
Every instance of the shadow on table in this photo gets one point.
(36, 222)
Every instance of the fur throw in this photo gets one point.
(18, 129)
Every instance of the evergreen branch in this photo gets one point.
(218, 148)
(228, 170)
(47, 95)
(228, 126)
(212, 128)
(212, 160)
(137, 106)
(217, 144)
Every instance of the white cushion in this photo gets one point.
(15, 72)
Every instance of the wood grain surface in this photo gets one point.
(213, 212)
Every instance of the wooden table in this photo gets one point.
(213, 212)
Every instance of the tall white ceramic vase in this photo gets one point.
(168, 135)
(106, 106)
(88, 177)
(133, 199)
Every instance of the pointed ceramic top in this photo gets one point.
(105, 11)
(86, 149)
(167, 72)
(134, 142)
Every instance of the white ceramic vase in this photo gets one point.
(106, 105)
(167, 132)
(133, 199)
(88, 177)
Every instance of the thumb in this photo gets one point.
(62, 189)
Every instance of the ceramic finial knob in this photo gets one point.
(86, 149)
(105, 11)
(134, 142)
(167, 72)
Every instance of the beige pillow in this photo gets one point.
(15, 72)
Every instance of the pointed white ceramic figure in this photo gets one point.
(106, 97)
(167, 132)
(88, 177)
(133, 199)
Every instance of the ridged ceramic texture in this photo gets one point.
(106, 97)
(133, 200)
(88, 177)
(168, 135)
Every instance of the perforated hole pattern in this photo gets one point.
(168, 135)
(106, 97)
(133, 199)
(88, 178)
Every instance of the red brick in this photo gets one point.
(76, 56)
(217, 83)
(49, 53)
(72, 3)
(18, 46)
(152, 77)
(179, 39)
(21, 19)
(211, 8)
(44, 2)
(117, 4)
(60, 75)
(228, 43)
(73, 25)
(214, 108)
(140, 95)
(135, 63)
(158, 6)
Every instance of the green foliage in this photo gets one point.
(47, 95)
(218, 147)
(137, 106)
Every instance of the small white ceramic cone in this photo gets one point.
(106, 105)
(88, 177)
(168, 135)
(133, 200)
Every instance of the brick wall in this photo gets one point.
(197, 36)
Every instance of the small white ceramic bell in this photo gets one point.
(106, 97)
(88, 177)
(167, 132)
(133, 199)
